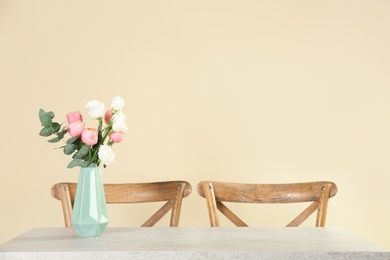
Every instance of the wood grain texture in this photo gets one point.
(316, 193)
(172, 192)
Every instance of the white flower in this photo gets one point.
(119, 125)
(106, 154)
(95, 108)
(117, 103)
(119, 122)
(119, 116)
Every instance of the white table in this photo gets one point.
(192, 243)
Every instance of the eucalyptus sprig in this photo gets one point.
(50, 127)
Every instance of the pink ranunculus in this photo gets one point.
(74, 117)
(89, 136)
(117, 136)
(75, 129)
(107, 116)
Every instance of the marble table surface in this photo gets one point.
(193, 243)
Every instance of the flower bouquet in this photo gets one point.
(88, 146)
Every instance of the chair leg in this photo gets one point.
(175, 213)
(323, 205)
(63, 191)
(211, 204)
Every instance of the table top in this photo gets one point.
(192, 243)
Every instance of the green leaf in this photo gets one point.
(45, 120)
(69, 149)
(78, 162)
(54, 140)
(42, 112)
(62, 133)
(56, 126)
(45, 117)
(46, 131)
(59, 137)
(84, 163)
(82, 153)
(72, 140)
(73, 163)
(50, 114)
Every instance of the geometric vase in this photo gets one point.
(89, 216)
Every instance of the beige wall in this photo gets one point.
(246, 91)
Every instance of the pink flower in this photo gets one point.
(74, 117)
(89, 136)
(107, 116)
(117, 136)
(75, 129)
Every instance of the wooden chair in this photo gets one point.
(317, 193)
(172, 192)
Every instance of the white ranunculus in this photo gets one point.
(106, 154)
(119, 116)
(117, 103)
(119, 125)
(119, 122)
(95, 108)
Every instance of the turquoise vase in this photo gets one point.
(89, 216)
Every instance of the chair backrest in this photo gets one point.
(172, 192)
(317, 193)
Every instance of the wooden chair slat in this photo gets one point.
(172, 192)
(230, 215)
(159, 214)
(304, 215)
(316, 192)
